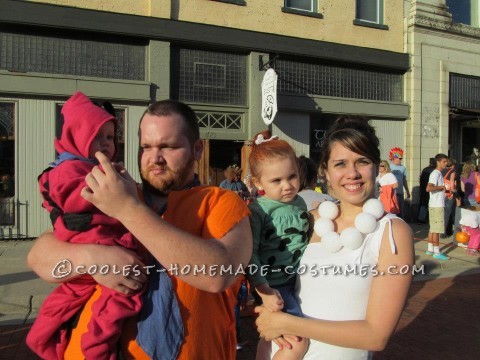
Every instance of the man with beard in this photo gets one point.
(182, 225)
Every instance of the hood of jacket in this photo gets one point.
(82, 120)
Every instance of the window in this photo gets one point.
(100, 56)
(119, 115)
(302, 7)
(464, 91)
(464, 11)
(305, 5)
(370, 11)
(7, 163)
(209, 77)
(338, 81)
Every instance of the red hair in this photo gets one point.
(266, 150)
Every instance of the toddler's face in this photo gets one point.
(104, 141)
(279, 179)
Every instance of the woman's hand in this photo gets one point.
(269, 323)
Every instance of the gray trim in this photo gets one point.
(64, 86)
(331, 105)
(53, 16)
(234, 2)
(301, 12)
(370, 24)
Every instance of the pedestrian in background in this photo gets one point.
(469, 179)
(422, 215)
(232, 181)
(400, 172)
(387, 183)
(449, 176)
(308, 179)
(436, 207)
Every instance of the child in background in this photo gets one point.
(280, 229)
(469, 224)
(87, 129)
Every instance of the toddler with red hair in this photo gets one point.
(280, 228)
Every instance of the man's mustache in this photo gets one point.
(157, 167)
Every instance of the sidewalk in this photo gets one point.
(450, 283)
(440, 321)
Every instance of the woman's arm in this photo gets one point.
(386, 301)
(59, 261)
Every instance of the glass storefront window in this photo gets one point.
(7, 162)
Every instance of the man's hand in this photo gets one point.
(127, 271)
(109, 190)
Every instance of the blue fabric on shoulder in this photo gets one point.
(160, 326)
(65, 156)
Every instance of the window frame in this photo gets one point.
(296, 11)
(379, 23)
(7, 167)
(314, 6)
(233, 2)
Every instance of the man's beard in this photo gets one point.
(170, 180)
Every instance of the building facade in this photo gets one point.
(443, 39)
(331, 57)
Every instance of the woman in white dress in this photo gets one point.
(387, 183)
(351, 294)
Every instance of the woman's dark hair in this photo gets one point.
(307, 171)
(356, 134)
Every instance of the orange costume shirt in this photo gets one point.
(208, 318)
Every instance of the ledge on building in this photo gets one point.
(301, 12)
(234, 2)
(370, 24)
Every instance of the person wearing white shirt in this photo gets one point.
(436, 207)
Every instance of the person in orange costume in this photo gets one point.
(201, 226)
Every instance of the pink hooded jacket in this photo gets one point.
(77, 221)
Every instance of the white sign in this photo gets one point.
(269, 96)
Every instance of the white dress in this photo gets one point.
(330, 296)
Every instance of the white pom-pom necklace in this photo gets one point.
(352, 237)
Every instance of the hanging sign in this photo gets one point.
(269, 96)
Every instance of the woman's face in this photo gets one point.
(351, 175)
(382, 168)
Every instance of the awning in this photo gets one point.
(460, 114)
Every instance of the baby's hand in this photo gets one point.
(272, 300)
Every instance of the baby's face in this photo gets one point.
(104, 141)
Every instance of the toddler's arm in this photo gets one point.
(271, 298)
